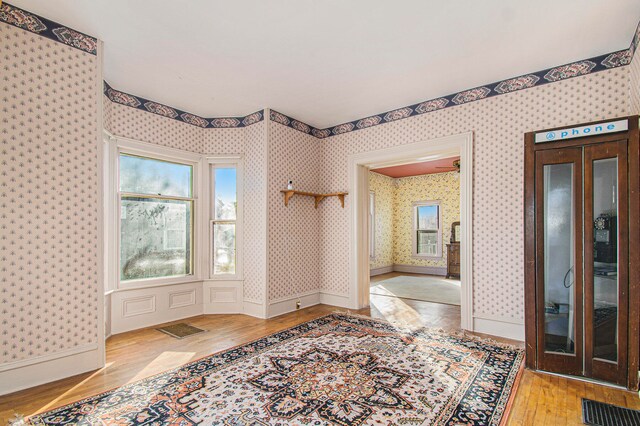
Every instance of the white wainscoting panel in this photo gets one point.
(140, 305)
(144, 307)
(182, 298)
(223, 297)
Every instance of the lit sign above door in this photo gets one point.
(583, 131)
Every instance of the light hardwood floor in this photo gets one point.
(541, 399)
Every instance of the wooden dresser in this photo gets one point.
(453, 260)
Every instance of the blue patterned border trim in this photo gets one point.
(551, 75)
(176, 114)
(20, 18)
(636, 41)
(285, 120)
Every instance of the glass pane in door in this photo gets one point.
(605, 262)
(559, 255)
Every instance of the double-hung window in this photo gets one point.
(156, 218)
(225, 219)
(427, 229)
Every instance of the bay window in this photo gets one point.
(156, 218)
(225, 218)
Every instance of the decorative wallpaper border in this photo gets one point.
(28, 21)
(636, 41)
(551, 75)
(285, 120)
(169, 112)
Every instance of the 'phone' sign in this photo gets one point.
(580, 132)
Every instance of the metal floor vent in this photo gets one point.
(180, 330)
(601, 414)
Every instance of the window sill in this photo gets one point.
(224, 278)
(163, 282)
(426, 257)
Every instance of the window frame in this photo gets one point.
(414, 237)
(222, 162)
(122, 146)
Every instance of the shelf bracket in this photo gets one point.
(287, 197)
(318, 199)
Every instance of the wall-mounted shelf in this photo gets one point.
(288, 193)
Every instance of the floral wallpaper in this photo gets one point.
(394, 215)
(443, 187)
(634, 83)
(49, 209)
(383, 188)
(294, 231)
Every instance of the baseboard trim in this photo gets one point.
(499, 328)
(49, 357)
(46, 369)
(332, 299)
(379, 271)
(285, 305)
(254, 309)
(410, 269)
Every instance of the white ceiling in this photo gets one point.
(326, 62)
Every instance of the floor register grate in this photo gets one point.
(180, 330)
(601, 414)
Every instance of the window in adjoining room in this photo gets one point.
(427, 229)
(156, 218)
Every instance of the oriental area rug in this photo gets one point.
(339, 369)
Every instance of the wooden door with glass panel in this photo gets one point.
(606, 261)
(582, 237)
(558, 175)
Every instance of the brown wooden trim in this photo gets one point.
(529, 253)
(633, 150)
(599, 369)
(550, 361)
(589, 123)
(585, 141)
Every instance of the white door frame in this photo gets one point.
(359, 164)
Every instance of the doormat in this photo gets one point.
(180, 330)
(601, 414)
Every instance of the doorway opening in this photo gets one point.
(414, 234)
(413, 268)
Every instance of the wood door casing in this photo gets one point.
(555, 361)
(594, 367)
